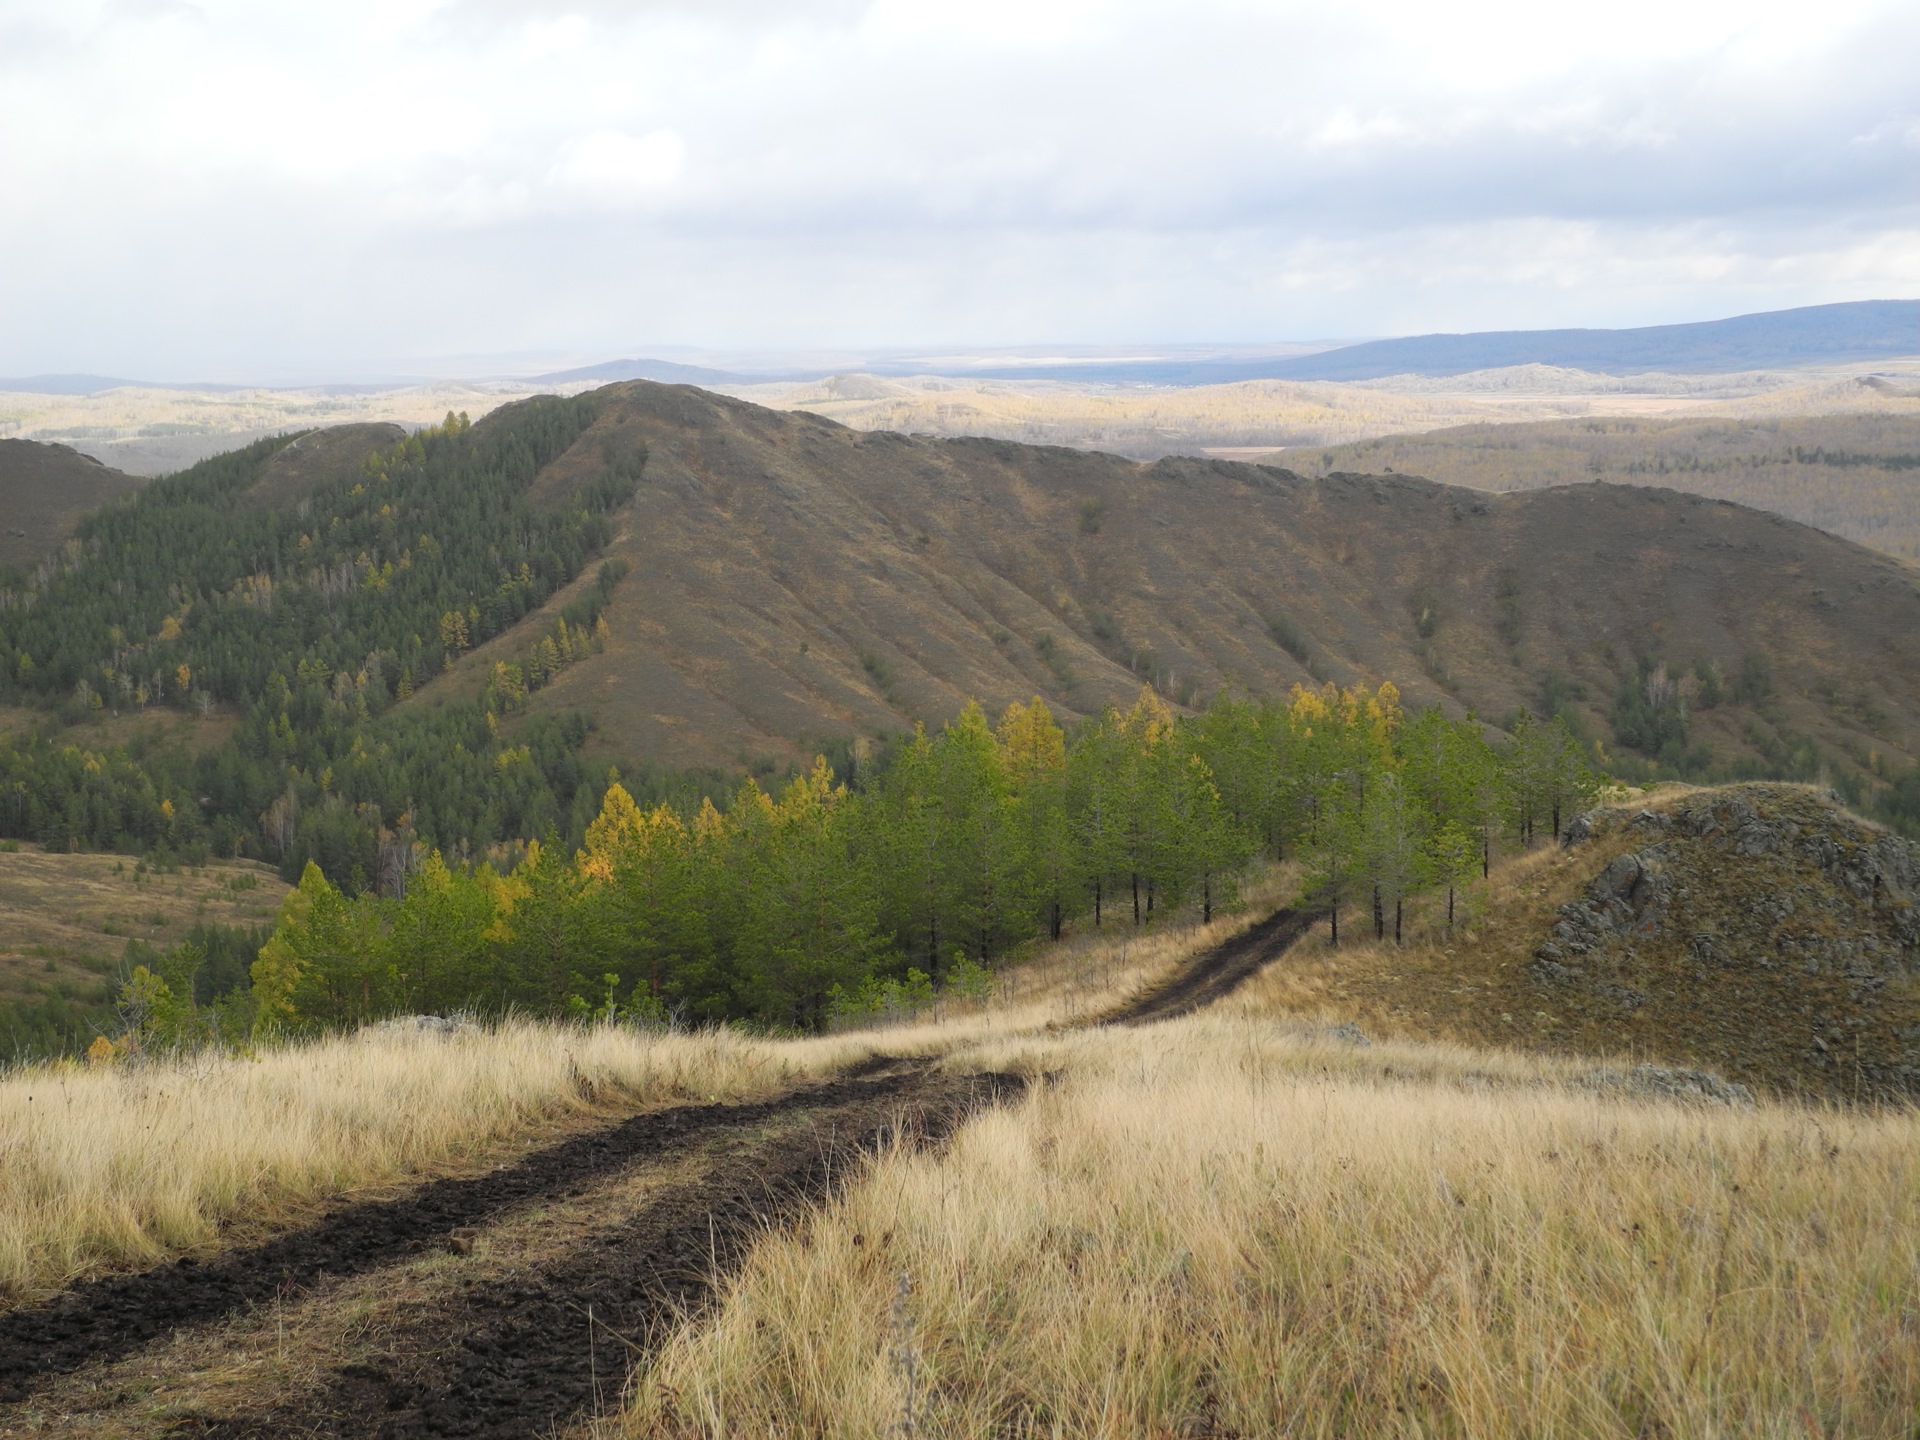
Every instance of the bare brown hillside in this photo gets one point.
(793, 580)
(44, 490)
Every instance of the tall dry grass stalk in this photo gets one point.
(128, 1164)
(131, 1162)
(1218, 1228)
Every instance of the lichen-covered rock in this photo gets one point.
(1754, 918)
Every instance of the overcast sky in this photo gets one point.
(238, 189)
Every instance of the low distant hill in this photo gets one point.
(641, 369)
(61, 384)
(1830, 334)
(44, 490)
(1774, 339)
(793, 581)
(1853, 475)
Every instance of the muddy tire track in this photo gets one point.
(105, 1319)
(1221, 970)
(523, 1354)
(515, 1353)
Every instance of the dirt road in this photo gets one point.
(507, 1304)
(1216, 973)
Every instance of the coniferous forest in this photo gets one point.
(842, 898)
(310, 622)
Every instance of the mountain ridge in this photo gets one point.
(791, 581)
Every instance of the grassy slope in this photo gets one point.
(1754, 1022)
(66, 919)
(1220, 1228)
(44, 489)
(137, 1162)
(1234, 1223)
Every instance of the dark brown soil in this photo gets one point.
(523, 1353)
(1219, 971)
(104, 1319)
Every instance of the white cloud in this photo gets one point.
(619, 170)
(207, 187)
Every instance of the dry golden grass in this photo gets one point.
(129, 1163)
(1438, 984)
(1218, 1227)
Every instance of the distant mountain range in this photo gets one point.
(667, 372)
(94, 384)
(1775, 339)
(1855, 331)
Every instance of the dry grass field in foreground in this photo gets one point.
(129, 1163)
(1226, 1227)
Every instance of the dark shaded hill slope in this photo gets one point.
(44, 490)
(792, 581)
(1857, 476)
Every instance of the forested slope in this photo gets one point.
(305, 586)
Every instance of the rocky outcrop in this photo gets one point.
(1657, 1082)
(1769, 900)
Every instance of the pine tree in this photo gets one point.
(1033, 755)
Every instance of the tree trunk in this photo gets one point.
(1096, 904)
(1396, 921)
(1379, 916)
(1149, 895)
(1333, 917)
(1556, 820)
(1449, 909)
(1486, 853)
(1054, 927)
(1136, 898)
(1206, 898)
